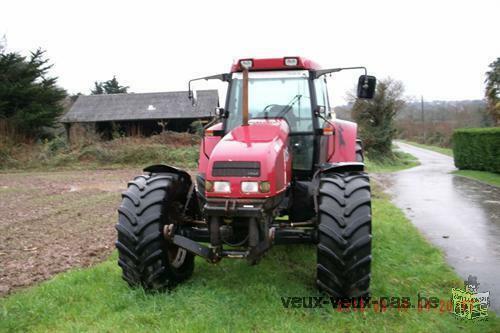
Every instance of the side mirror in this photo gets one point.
(366, 86)
(320, 111)
(220, 112)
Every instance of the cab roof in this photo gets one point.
(267, 64)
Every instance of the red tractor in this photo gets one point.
(275, 167)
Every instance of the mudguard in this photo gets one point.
(342, 167)
(163, 168)
(342, 145)
(185, 185)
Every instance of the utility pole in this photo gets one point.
(422, 116)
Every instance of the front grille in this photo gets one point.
(236, 169)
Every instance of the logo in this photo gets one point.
(468, 303)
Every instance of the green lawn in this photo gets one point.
(446, 151)
(482, 176)
(235, 297)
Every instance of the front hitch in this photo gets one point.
(214, 253)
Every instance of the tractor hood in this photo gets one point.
(263, 143)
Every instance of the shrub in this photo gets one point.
(375, 117)
(196, 127)
(178, 149)
(477, 149)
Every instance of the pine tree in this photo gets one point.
(109, 87)
(98, 90)
(29, 98)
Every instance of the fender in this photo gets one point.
(342, 145)
(342, 167)
(186, 189)
(163, 168)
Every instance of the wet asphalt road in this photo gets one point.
(459, 215)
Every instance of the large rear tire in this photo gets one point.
(344, 247)
(150, 203)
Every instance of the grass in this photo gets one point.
(400, 161)
(442, 150)
(235, 297)
(482, 176)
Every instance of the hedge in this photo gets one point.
(477, 148)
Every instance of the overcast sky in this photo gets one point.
(439, 49)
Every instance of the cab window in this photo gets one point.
(322, 97)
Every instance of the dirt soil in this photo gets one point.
(53, 221)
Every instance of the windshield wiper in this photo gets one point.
(289, 106)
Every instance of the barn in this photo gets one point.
(137, 113)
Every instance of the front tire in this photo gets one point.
(344, 234)
(150, 203)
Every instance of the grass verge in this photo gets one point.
(399, 161)
(490, 178)
(442, 150)
(235, 297)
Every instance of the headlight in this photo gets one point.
(249, 187)
(291, 61)
(265, 187)
(246, 63)
(222, 187)
(209, 186)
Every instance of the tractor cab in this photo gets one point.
(293, 89)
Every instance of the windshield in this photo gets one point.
(273, 94)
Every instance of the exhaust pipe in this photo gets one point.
(245, 97)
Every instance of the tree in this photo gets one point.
(109, 87)
(98, 89)
(492, 92)
(29, 98)
(375, 117)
